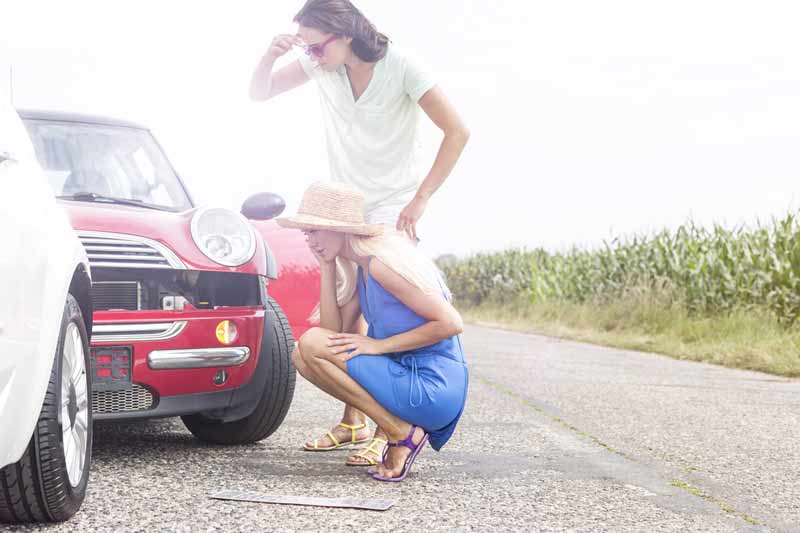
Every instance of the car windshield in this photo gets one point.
(96, 161)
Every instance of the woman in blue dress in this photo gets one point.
(408, 373)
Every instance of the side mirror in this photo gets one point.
(263, 206)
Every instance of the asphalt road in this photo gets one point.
(557, 436)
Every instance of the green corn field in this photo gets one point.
(706, 271)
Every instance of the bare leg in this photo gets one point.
(342, 434)
(321, 367)
(351, 415)
(330, 374)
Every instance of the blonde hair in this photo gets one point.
(395, 251)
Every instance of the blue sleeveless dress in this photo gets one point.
(426, 386)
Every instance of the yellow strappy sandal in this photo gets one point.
(335, 441)
(369, 448)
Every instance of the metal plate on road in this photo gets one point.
(347, 503)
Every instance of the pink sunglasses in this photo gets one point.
(318, 49)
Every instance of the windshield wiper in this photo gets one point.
(94, 197)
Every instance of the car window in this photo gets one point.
(115, 161)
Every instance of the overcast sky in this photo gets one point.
(589, 119)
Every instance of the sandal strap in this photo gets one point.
(333, 439)
(369, 447)
(352, 429)
(369, 459)
(408, 442)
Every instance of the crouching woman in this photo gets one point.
(408, 373)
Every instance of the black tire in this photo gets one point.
(276, 397)
(37, 487)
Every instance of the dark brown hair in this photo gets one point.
(341, 17)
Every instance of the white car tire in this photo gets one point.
(48, 484)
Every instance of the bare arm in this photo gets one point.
(443, 319)
(456, 134)
(266, 84)
(331, 316)
(350, 313)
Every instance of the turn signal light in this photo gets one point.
(227, 332)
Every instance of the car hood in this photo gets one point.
(168, 228)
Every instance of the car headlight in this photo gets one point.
(223, 236)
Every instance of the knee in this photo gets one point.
(312, 344)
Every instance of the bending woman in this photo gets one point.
(408, 373)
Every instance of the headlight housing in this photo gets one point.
(223, 236)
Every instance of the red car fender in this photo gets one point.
(297, 288)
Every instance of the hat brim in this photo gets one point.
(314, 222)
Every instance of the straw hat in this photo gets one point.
(331, 206)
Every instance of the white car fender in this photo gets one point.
(37, 261)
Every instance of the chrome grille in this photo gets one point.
(136, 332)
(137, 398)
(108, 295)
(116, 250)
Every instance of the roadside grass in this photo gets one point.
(748, 339)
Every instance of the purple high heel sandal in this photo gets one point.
(408, 442)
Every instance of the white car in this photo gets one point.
(45, 323)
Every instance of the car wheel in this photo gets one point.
(48, 484)
(276, 396)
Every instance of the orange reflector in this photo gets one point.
(227, 332)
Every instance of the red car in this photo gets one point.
(195, 308)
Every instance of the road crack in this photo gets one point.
(694, 491)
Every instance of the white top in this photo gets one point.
(372, 142)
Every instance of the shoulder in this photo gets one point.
(387, 277)
(407, 56)
(398, 58)
(391, 281)
(415, 75)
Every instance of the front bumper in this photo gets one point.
(204, 402)
(197, 358)
(175, 356)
